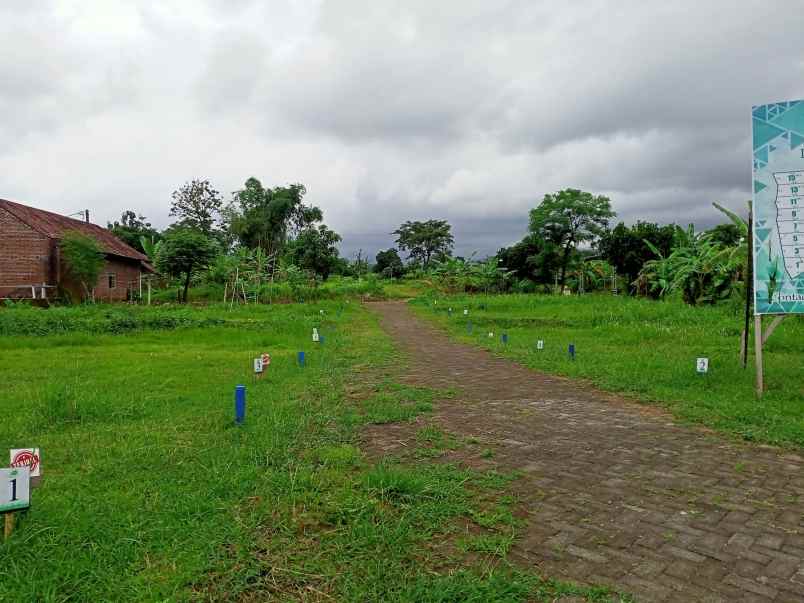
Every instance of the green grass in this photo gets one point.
(647, 350)
(150, 492)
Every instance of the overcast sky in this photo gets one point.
(388, 110)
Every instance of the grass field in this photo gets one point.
(647, 350)
(150, 492)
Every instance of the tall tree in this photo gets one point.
(266, 217)
(425, 241)
(184, 252)
(389, 264)
(531, 258)
(84, 260)
(197, 205)
(625, 247)
(570, 217)
(131, 228)
(315, 249)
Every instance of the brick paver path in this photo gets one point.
(617, 493)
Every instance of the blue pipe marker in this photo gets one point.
(320, 340)
(240, 404)
(301, 358)
(571, 351)
(505, 338)
(469, 328)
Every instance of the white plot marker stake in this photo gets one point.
(702, 365)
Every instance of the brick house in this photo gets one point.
(30, 259)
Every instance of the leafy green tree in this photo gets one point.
(197, 206)
(532, 258)
(315, 250)
(728, 235)
(268, 217)
(425, 241)
(84, 260)
(132, 228)
(570, 217)
(626, 247)
(184, 252)
(389, 264)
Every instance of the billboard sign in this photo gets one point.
(778, 207)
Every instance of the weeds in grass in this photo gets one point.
(497, 545)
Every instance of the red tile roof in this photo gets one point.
(54, 226)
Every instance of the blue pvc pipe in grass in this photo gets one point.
(240, 404)
(301, 358)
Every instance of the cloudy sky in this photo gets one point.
(388, 110)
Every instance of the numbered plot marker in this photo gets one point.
(540, 344)
(258, 365)
(466, 312)
(15, 489)
(702, 365)
(491, 334)
(315, 335)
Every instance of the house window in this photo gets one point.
(112, 280)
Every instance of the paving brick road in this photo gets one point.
(618, 493)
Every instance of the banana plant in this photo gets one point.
(150, 247)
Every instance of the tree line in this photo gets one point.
(570, 246)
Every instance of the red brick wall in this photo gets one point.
(24, 255)
(126, 275)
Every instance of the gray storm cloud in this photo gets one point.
(387, 111)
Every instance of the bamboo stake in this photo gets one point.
(9, 527)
